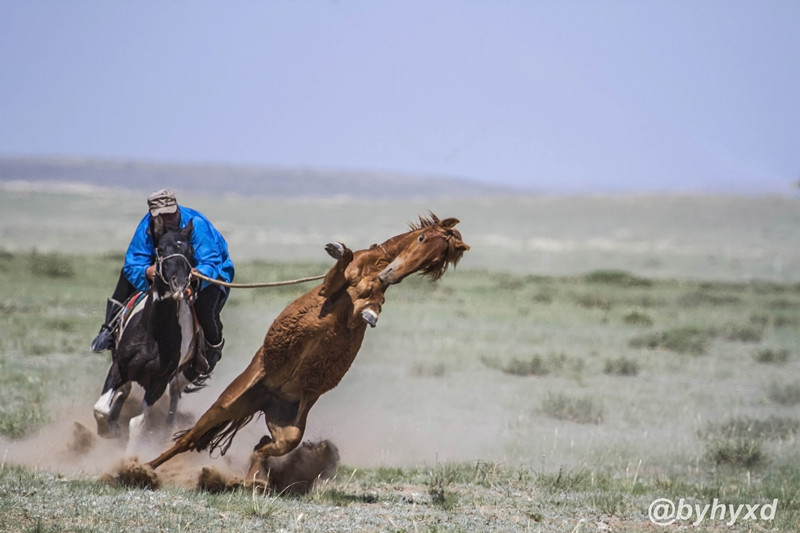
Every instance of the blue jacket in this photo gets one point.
(210, 251)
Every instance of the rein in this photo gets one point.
(255, 285)
(197, 274)
(160, 263)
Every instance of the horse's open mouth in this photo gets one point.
(179, 293)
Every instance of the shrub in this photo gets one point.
(593, 301)
(51, 265)
(621, 366)
(581, 410)
(707, 297)
(735, 451)
(682, 340)
(637, 318)
(617, 277)
(743, 333)
(770, 356)
(439, 481)
(536, 365)
(565, 480)
(772, 428)
(788, 394)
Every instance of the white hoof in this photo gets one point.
(370, 317)
(335, 249)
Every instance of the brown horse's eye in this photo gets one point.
(421, 238)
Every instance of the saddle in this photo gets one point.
(121, 317)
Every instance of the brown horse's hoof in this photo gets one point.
(370, 317)
(135, 475)
(335, 250)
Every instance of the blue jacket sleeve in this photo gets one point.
(210, 249)
(206, 251)
(140, 255)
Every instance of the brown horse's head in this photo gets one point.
(430, 247)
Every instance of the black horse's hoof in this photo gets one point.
(335, 249)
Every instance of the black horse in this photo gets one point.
(160, 343)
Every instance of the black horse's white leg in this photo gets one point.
(136, 427)
(107, 410)
(146, 415)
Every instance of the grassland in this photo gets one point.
(492, 400)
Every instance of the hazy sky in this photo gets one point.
(548, 95)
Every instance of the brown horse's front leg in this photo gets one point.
(368, 301)
(335, 279)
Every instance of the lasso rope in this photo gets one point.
(197, 274)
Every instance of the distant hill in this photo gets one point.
(248, 181)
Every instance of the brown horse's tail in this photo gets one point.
(220, 436)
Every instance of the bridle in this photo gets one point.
(159, 271)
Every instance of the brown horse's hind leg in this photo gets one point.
(239, 400)
(213, 421)
(286, 435)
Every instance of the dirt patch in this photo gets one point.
(297, 471)
(130, 473)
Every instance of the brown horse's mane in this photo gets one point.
(424, 222)
(453, 256)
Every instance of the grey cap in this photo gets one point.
(162, 202)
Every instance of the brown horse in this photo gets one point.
(312, 343)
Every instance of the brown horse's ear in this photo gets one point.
(449, 223)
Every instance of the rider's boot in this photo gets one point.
(105, 338)
(213, 353)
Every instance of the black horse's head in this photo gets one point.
(174, 258)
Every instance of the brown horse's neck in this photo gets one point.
(394, 245)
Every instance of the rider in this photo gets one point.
(210, 259)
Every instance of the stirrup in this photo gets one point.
(201, 380)
(104, 339)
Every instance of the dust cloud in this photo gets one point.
(70, 446)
